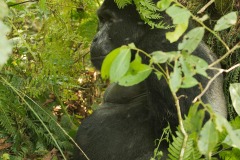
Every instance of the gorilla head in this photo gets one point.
(117, 27)
(128, 121)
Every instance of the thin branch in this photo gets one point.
(205, 7)
(212, 79)
(237, 46)
(180, 119)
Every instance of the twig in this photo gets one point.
(205, 7)
(212, 79)
(225, 55)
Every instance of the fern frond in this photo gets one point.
(191, 153)
(150, 13)
(123, 3)
(6, 121)
(232, 154)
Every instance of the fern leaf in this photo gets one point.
(6, 119)
(191, 153)
(123, 3)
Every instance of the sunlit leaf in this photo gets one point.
(179, 15)
(192, 39)
(235, 96)
(163, 57)
(177, 33)
(208, 138)
(226, 21)
(194, 119)
(120, 64)
(199, 65)
(137, 72)
(107, 63)
(175, 78)
(163, 4)
(233, 138)
(188, 82)
(159, 75)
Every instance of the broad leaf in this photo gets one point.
(235, 96)
(192, 39)
(233, 138)
(159, 75)
(107, 62)
(226, 21)
(188, 82)
(179, 15)
(137, 73)
(163, 4)
(163, 57)
(199, 65)
(177, 33)
(120, 64)
(194, 120)
(175, 78)
(208, 138)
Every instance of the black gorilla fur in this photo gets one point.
(131, 118)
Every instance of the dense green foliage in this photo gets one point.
(39, 83)
(47, 84)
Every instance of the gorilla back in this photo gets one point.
(128, 121)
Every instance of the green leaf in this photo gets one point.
(233, 139)
(194, 120)
(188, 82)
(179, 15)
(163, 4)
(159, 75)
(192, 39)
(177, 33)
(208, 138)
(107, 63)
(120, 64)
(163, 57)
(187, 68)
(226, 21)
(200, 65)
(175, 78)
(235, 96)
(192, 64)
(137, 72)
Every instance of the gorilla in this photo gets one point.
(130, 119)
